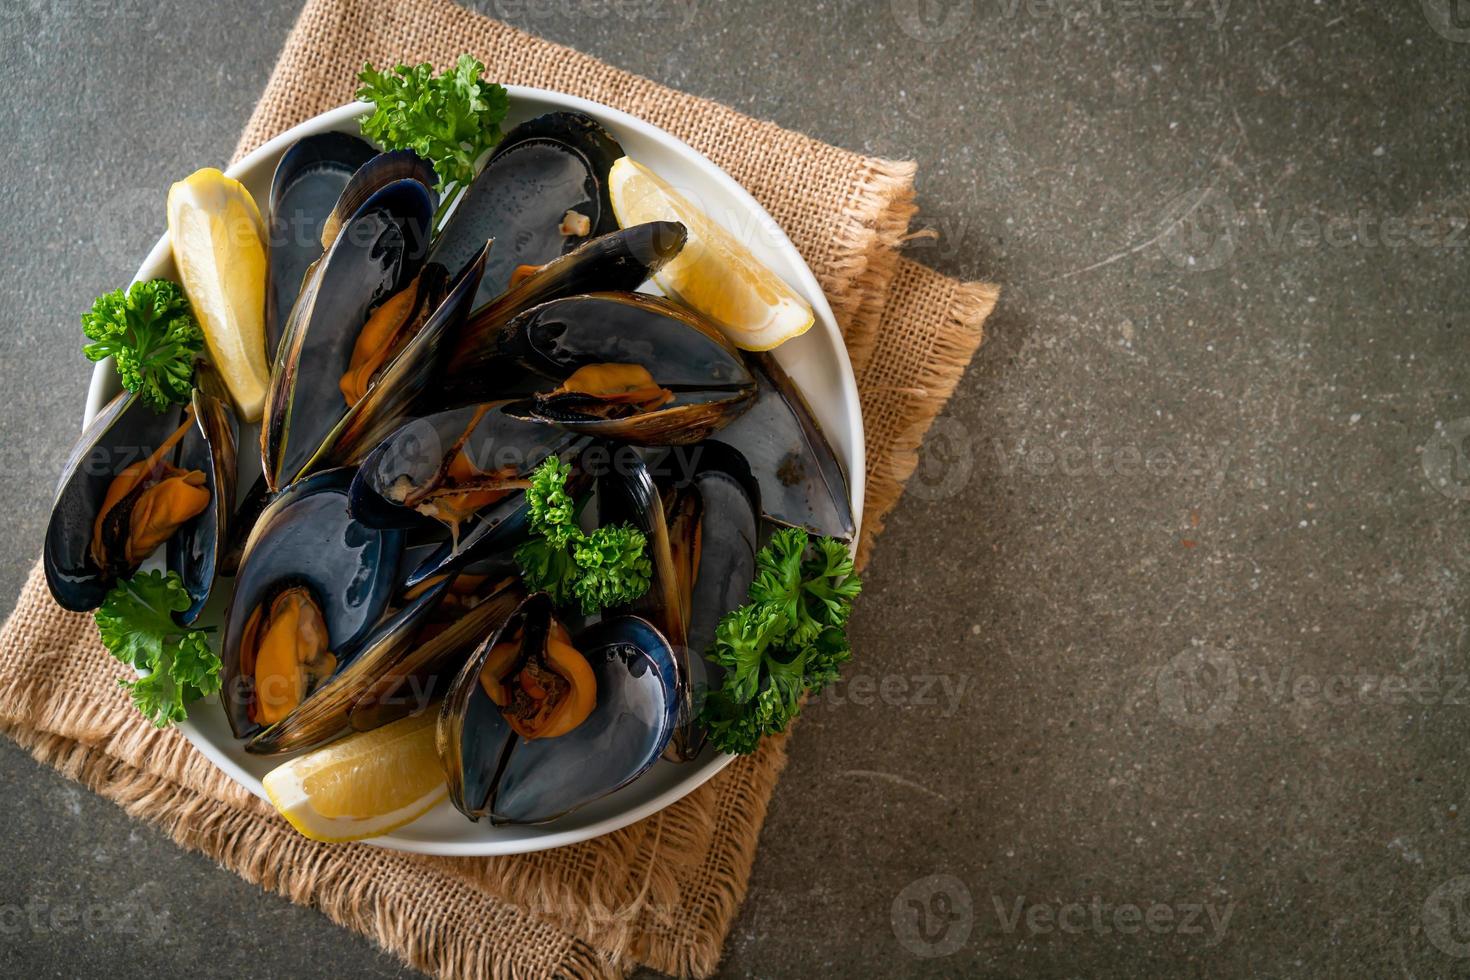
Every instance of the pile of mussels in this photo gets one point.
(417, 381)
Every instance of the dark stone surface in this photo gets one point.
(1187, 552)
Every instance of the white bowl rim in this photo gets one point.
(104, 385)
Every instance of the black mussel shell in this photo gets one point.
(493, 772)
(627, 491)
(378, 252)
(713, 512)
(197, 550)
(707, 380)
(474, 367)
(306, 535)
(308, 181)
(125, 432)
(542, 169)
(802, 483)
(415, 456)
(398, 389)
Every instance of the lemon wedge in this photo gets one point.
(218, 243)
(714, 273)
(364, 785)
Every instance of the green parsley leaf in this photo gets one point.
(553, 511)
(738, 726)
(609, 567)
(547, 567)
(614, 568)
(451, 120)
(787, 641)
(150, 332)
(137, 627)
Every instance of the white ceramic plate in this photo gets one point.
(817, 361)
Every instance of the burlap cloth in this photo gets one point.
(662, 892)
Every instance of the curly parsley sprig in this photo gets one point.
(609, 567)
(150, 332)
(137, 627)
(788, 640)
(451, 120)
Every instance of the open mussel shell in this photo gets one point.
(713, 513)
(124, 432)
(306, 538)
(403, 482)
(309, 179)
(374, 175)
(418, 673)
(541, 170)
(396, 393)
(493, 772)
(702, 380)
(377, 253)
(325, 714)
(474, 367)
(197, 551)
(627, 491)
(802, 483)
(712, 506)
(395, 672)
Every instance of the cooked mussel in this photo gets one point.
(476, 365)
(541, 193)
(128, 488)
(539, 722)
(465, 470)
(628, 366)
(712, 508)
(454, 362)
(198, 551)
(376, 253)
(471, 603)
(313, 584)
(308, 180)
(393, 673)
(393, 376)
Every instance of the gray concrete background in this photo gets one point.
(1185, 561)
